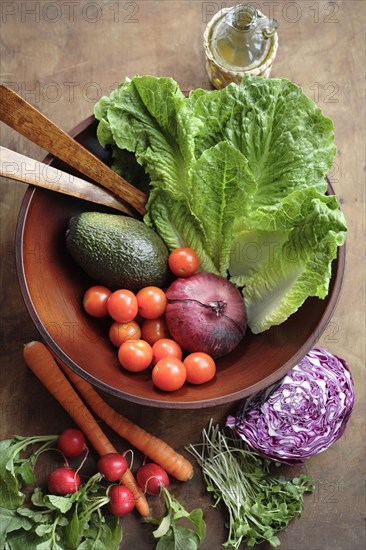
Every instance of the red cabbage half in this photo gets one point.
(303, 414)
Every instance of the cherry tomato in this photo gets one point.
(95, 301)
(169, 374)
(63, 481)
(122, 306)
(135, 355)
(183, 262)
(71, 443)
(121, 500)
(120, 332)
(151, 302)
(200, 367)
(154, 329)
(164, 347)
(112, 466)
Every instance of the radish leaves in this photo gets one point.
(172, 535)
(50, 522)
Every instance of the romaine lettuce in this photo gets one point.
(238, 175)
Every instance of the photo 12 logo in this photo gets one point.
(53, 91)
(287, 12)
(69, 11)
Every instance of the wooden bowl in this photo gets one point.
(53, 286)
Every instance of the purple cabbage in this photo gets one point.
(303, 414)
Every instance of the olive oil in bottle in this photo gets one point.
(238, 41)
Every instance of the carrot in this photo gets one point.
(151, 446)
(42, 364)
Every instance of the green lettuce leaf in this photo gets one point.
(286, 140)
(238, 175)
(145, 119)
(177, 226)
(218, 205)
(284, 255)
(206, 218)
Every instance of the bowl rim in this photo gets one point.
(338, 278)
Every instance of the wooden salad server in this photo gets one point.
(27, 170)
(28, 121)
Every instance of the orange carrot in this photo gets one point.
(42, 364)
(151, 446)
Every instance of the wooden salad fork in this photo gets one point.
(32, 172)
(28, 121)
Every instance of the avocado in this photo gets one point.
(117, 251)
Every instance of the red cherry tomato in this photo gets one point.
(121, 500)
(169, 374)
(200, 368)
(183, 262)
(164, 347)
(112, 466)
(71, 443)
(120, 332)
(151, 302)
(154, 329)
(95, 301)
(122, 306)
(63, 481)
(135, 355)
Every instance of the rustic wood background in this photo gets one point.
(61, 57)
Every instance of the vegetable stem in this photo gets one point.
(259, 503)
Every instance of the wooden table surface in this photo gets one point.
(61, 57)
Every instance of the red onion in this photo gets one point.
(206, 312)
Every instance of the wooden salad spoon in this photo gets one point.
(28, 121)
(27, 170)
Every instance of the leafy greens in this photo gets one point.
(171, 534)
(259, 503)
(51, 522)
(238, 175)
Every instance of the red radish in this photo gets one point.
(63, 481)
(121, 500)
(112, 466)
(206, 313)
(71, 443)
(152, 478)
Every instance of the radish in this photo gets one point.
(112, 466)
(63, 481)
(121, 500)
(71, 443)
(152, 478)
